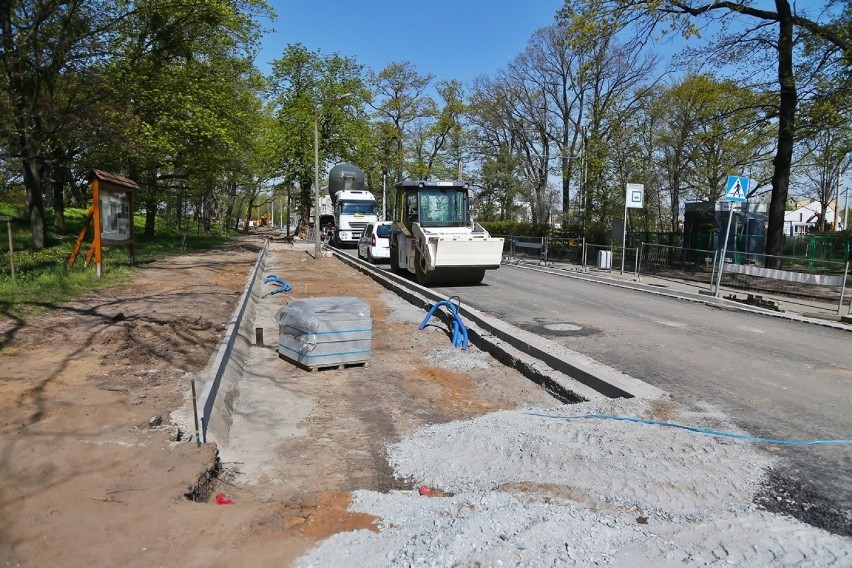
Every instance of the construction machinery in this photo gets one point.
(353, 206)
(434, 238)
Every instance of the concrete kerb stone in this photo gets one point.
(226, 367)
(568, 375)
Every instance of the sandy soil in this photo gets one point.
(87, 477)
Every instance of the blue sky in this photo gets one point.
(458, 39)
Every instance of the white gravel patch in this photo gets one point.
(534, 491)
(459, 359)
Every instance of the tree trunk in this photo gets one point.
(786, 134)
(675, 200)
(248, 213)
(305, 200)
(78, 194)
(58, 186)
(35, 203)
(230, 202)
(151, 201)
(566, 187)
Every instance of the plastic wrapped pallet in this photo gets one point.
(325, 332)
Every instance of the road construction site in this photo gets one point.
(516, 451)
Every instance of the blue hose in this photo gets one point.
(460, 337)
(745, 437)
(282, 285)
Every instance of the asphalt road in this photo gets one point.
(775, 378)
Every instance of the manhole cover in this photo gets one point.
(562, 327)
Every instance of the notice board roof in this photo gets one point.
(112, 179)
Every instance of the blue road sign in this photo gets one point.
(737, 189)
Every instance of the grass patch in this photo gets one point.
(42, 279)
(6, 351)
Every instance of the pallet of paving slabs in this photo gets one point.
(325, 332)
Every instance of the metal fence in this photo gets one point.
(566, 249)
(543, 249)
(696, 265)
(806, 276)
(820, 246)
(525, 248)
(795, 277)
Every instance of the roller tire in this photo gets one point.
(476, 277)
(394, 259)
(423, 278)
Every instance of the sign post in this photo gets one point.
(111, 215)
(8, 220)
(634, 199)
(736, 191)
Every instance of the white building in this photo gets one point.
(803, 219)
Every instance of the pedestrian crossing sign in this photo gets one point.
(737, 189)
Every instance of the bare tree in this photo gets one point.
(400, 100)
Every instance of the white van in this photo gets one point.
(374, 244)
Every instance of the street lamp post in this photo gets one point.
(384, 195)
(317, 244)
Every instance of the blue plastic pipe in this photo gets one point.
(282, 285)
(460, 337)
(745, 437)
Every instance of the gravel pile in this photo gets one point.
(533, 488)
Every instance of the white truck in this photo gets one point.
(354, 207)
(434, 238)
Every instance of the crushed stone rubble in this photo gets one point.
(522, 489)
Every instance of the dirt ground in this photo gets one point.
(88, 477)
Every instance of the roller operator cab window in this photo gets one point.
(410, 208)
(443, 207)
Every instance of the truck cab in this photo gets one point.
(353, 210)
(354, 207)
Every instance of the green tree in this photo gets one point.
(826, 155)
(46, 45)
(752, 38)
(183, 98)
(612, 81)
(399, 100)
(498, 176)
(706, 129)
(313, 90)
(438, 138)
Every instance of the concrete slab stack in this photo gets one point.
(325, 332)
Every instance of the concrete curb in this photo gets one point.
(225, 371)
(566, 374)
